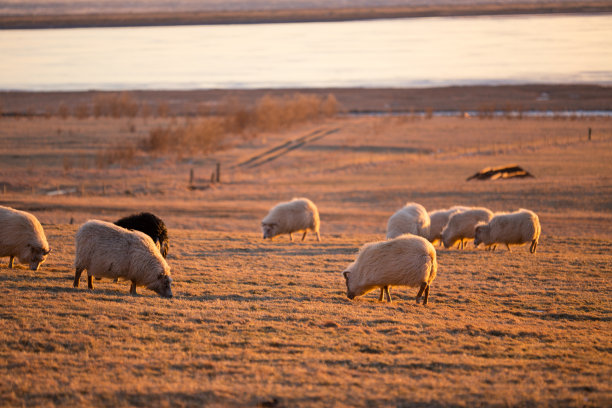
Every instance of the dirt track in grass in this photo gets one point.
(260, 323)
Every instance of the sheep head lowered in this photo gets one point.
(269, 230)
(481, 234)
(162, 285)
(350, 292)
(35, 255)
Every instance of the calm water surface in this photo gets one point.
(379, 53)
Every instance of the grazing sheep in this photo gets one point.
(151, 225)
(22, 237)
(297, 215)
(411, 219)
(407, 260)
(516, 228)
(439, 219)
(106, 250)
(463, 224)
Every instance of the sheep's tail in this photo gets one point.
(536, 237)
(433, 271)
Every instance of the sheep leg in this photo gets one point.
(10, 265)
(133, 288)
(508, 246)
(304, 236)
(533, 246)
(89, 281)
(426, 295)
(290, 237)
(493, 247)
(318, 237)
(382, 290)
(418, 296)
(77, 276)
(387, 294)
(116, 280)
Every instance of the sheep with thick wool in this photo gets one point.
(106, 250)
(22, 237)
(297, 215)
(439, 219)
(151, 225)
(462, 225)
(410, 219)
(517, 228)
(407, 260)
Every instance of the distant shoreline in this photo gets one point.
(289, 16)
(352, 100)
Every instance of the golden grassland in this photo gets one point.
(267, 323)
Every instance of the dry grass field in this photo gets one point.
(267, 323)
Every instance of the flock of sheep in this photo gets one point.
(408, 257)
(134, 248)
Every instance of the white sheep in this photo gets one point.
(515, 228)
(462, 225)
(106, 250)
(297, 215)
(22, 237)
(410, 219)
(407, 260)
(439, 219)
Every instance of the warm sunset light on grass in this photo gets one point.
(183, 110)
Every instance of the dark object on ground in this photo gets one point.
(504, 172)
(151, 225)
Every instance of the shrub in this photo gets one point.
(270, 113)
(115, 105)
(81, 111)
(121, 153)
(62, 111)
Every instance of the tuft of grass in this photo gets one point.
(122, 153)
(81, 111)
(115, 105)
(270, 114)
(62, 111)
(163, 110)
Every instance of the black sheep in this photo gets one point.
(151, 225)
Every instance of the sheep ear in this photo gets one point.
(47, 252)
(346, 275)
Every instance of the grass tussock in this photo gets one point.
(121, 153)
(270, 114)
(115, 105)
(202, 136)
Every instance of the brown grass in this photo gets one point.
(209, 134)
(268, 323)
